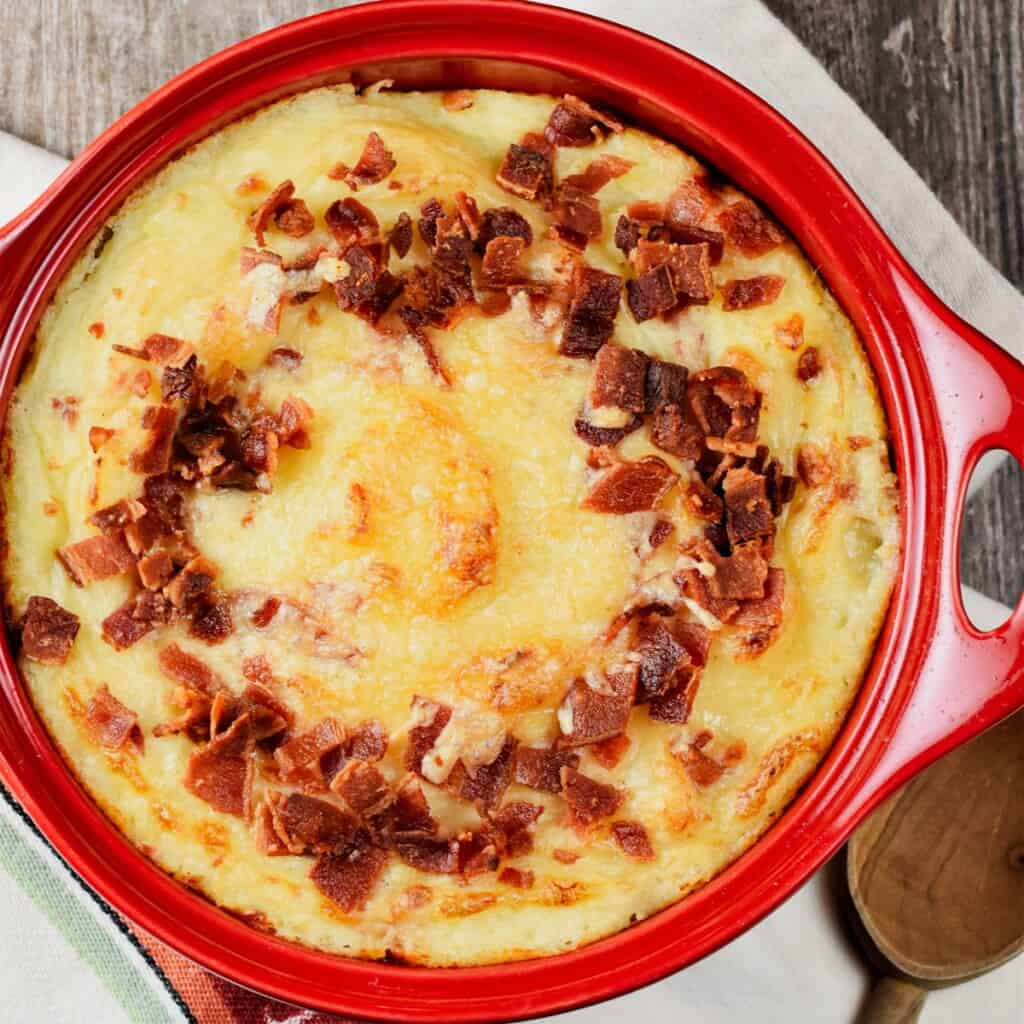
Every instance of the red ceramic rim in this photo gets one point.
(916, 701)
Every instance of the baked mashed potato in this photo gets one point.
(444, 526)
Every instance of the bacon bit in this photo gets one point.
(671, 433)
(468, 213)
(258, 448)
(574, 122)
(96, 558)
(97, 330)
(368, 741)
(646, 211)
(193, 583)
(429, 853)
(633, 840)
(761, 620)
(501, 263)
(501, 221)
(740, 576)
(116, 517)
(650, 294)
(349, 879)
(338, 171)
(363, 787)
(749, 514)
(431, 718)
(620, 376)
(182, 667)
(628, 232)
(307, 824)
(791, 332)
(375, 163)
(294, 219)
(752, 291)
(179, 381)
(688, 279)
(162, 348)
(604, 437)
(631, 487)
(293, 421)
(587, 715)
(110, 723)
(299, 759)
(513, 823)
(724, 403)
(598, 173)
(608, 753)
(749, 229)
(485, 785)
(221, 772)
(676, 703)
(565, 856)
(703, 770)
(666, 383)
(430, 213)
(48, 631)
(141, 383)
(457, 99)
(99, 436)
(259, 219)
(153, 456)
(399, 238)
(494, 304)
(285, 359)
(661, 658)
(660, 532)
(687, 206)
(809, 364)
(577, 212)
(539, 767)
(588, 799)
(410, 811)
(591, 316)
(155, 570)
(517, 878)
(212, 622)
(697, 589)
(67, 407)
(813, 465)
(350, 222)
(527, 169)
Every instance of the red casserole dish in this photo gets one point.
(950, 395)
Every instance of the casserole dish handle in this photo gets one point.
(967, 680)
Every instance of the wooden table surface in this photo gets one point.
(944, 79)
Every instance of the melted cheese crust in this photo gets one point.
(357, 526)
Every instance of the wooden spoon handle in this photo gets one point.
(892, 1001)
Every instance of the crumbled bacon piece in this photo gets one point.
(501, 221)
(307, 824)
(591, 315)
(221, 772)
(527, 169)
(588, 715)
(588, 799)
(211, 621)
(179, 381)
(697, 589)
(539, 767)
(368, 741)
(749, 229)
(673, 434)
(399, 238)
(598, 173)
(375, 163)
(153, 456)
(661, 658)
(809, 364)
(666, 383)
(749, 513)
(363, 787)
(259, 449)
(631, 487)
(185, 668)
(349, 221)
(430, 213)
(620, 376)
(724, 403)
(676, 703)
(501, 263)
(270, 717)
(409, 811)
(651, 293)
(565, 856)
(688, 204)
(628, 232)
(693, 235)
(349, 879)
(96, 558)
(689, 268)
(193, 583)
(113, 518)
(574, 122)
(485, 784)
(516, 877)
(703, 769)
(752, 291)
(299, 758)
(260, 218)
(264, 615)
(740, 576)
(48, 631)
(429, 853)
(285, 359)
(432, 719)
(155, 570)
(604, 437)
(110, 723)
(608, 753)
(760, 620)
(513, 823)
(162, 348)
(577, 211)
(293, 421)
(632, 838)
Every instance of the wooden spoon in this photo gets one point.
(936, 875)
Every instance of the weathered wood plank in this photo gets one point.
(944, 79)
